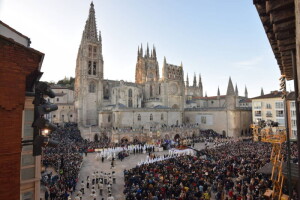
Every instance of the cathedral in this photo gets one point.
(151, 102)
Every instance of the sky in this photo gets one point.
(214, 38)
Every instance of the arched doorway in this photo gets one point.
(177, 137)
(96, 137)
(224, 133)
(124, 140)
(136, 140)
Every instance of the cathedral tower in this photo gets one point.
(89, 73)
(147, 69)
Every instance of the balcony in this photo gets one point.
(257, 115)
(269, 115)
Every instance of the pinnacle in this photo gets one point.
(230, 89)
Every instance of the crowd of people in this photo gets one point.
(228, 170)
(224, 172)
(66, 160)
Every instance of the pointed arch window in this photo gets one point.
(94, 68)
(151, 117)
(130, 93)
(162, 116)
(139, 117)
(90, 51)
(108, 119)
(92, 87)
(89, 67)
(95, 52)
(130, 98)
(159, 88)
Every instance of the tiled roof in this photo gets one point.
(273, 94)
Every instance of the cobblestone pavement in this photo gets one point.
(90, 165)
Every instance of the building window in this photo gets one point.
(279, 113)
(294, 123)
(108, 119)
(54, 116)
(280, 121)
(294, 133)
(257, 113)
(162, 116)
(269, 114)
(257, 105)
(130, 103)
(159, 88)
(92, 88)
(71, 115)
(279, 105)
(268, 106)
(57, 99)
(293, 113)
(130, 93)
(90, 51)
(151, 92)
(151, 117)
(130, 98)
(94, 68)
(139, 117)
(90, 68)
(95, 52)
(292, 103)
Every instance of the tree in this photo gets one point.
(67, 82)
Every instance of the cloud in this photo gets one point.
(248, 64)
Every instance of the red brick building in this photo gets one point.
(19, 70)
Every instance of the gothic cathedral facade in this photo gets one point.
(152, 101)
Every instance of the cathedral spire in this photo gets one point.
(138, 52)
(236, 90)
(147, 51)
(141, 50)
(262, 92)
(200, 81)
(187, 80)
(90, 29)
(154, 52)
(195, 81)
(230, 90)
(246, 92)
(218, 92)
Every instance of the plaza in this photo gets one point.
(91, 164)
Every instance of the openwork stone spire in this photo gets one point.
(90, 29)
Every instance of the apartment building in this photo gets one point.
(271, 107)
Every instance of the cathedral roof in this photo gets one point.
(273, 94)
(246, 100)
